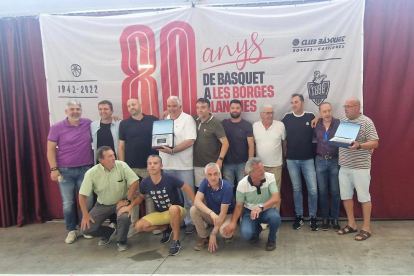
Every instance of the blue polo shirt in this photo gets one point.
(214, 198)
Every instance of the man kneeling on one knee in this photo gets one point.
(163, 188)
(110, 180)
(258, 194)
(217, 211)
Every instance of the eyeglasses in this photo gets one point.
(326, 136)
(349, 106)
(268, 113)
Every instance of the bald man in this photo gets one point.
(355, 162)
(135, 145)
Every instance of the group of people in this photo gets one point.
(212, 158)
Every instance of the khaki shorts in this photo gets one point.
(163, 218)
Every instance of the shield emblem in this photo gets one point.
(318, 92)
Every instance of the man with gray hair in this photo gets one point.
(256, 196)
(178, 160)
(270, 136)
(213, 204)
(70, 155)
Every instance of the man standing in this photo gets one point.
(135, 145)
(270, 136)
(214, 204)
(164, 189)
(178, 161)
(355, 163)
(211, 145)
(327, 168)
(241, 143)
(69, 162)
(115, 184)
(105, 132)
(299, 158)
(258, 194)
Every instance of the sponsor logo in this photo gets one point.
(318, 88)
(318, 44)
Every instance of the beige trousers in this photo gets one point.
(200, 217)
(277, 171)
(149, 203)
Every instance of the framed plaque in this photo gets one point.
(163, 134)
(345, 134)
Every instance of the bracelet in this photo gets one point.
(53, 169)
(127, 200)
(172, 151)
(213, 233)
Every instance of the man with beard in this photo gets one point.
(239, 133)
(135, 145)
(70, 161)
(270, 138)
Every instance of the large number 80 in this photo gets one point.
(178, 66)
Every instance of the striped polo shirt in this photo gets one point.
(248, 194)
(359, 159)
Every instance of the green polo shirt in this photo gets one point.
(110, 186)
(207, 146)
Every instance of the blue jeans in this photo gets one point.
(233, 172)
(251, 227)
(308, 169)
(327, 171)
(71, 183)
(187, 176)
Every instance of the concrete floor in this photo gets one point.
(40, 249)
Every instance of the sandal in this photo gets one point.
(347, 230)
(363, 234)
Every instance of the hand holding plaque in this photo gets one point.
(163, 134)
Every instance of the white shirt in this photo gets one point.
(184, 129)
(269, 142)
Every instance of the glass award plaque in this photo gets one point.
(163, 134)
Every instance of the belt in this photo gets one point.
(327, 156)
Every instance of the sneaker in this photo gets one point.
(71, 238)
(156, 232)
(229, 240)
(131, 231)
(263, 225)
(254, 239)
(298, 223)
(190, 229)
(335, 225)
(270, 246)
(106, 240)
(175, 248)
(182, 224)
(202, 242)
(325, 225)
(122, 246)
(88, 237)
(313, 225)
(166, 235)
(112, 225)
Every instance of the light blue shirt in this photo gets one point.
(95, 126)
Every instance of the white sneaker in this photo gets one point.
(71, 238)
(156, 232)
(131, 231)
(88, 237)
(264, 226)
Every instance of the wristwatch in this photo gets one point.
(127, 200)
(261, 207)
(220, 158)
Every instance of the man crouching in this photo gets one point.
(163, 188)
(219, 207)
(258, 193)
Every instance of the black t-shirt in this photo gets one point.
(137, 135)
(299, 135)
(104, 137)
(166, 193)
(237, 134)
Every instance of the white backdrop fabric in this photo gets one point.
(260, 55)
